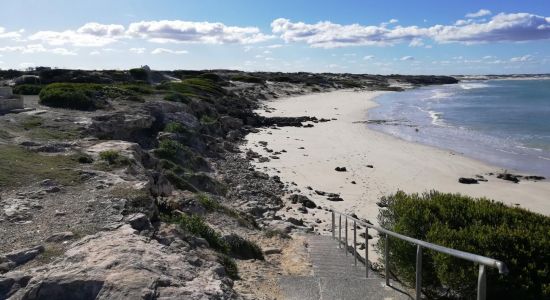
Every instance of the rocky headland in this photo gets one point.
(132, 185)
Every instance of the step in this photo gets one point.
(315, 288)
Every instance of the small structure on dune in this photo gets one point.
(9, 101)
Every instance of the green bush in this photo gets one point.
(229, 265)
(176, 97)
(247, 78)
(196, 226)
(113, 158)
(28, 89)
(208, 120)
(196, 87)
(208, 203)
(179, 182)
(81, 96)
(138, 74)
(180, 154)
(517, 237)
(211, 205)
(242, 248)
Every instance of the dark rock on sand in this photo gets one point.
(295, 221)
(340, 169)
(466, 180)
(335, 199)
(321, 193)
(510, 177)
(305, 201)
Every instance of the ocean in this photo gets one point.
(505, 123)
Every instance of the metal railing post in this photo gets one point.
(355, 242)
(418, 272)
(333, 233)
(387, 260)
(481, 283)
(346, 247)
(339, 231)
(367, 251)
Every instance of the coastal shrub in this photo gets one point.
(242, 218)
(229, 265)
(110, 156)
(176, 97)
(180, 154)
(175, 127)
(81, 96)
(242, 248)
(208, 120)
(138, 74)
(208, 203)
(28, 89)
(85, 159)
(247, 78)
(179, 182)
(201, 88)
(113, 158)
(197, 226)
(517, 237)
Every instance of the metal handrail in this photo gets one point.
(482, 260)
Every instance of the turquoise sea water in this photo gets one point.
(503, 122)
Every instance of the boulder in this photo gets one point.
(139, 221)
(124, 265)
(340, 169)
(466, 180)
(21, 256)
(295, 221)
(510, 177)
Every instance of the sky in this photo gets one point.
(362, 36)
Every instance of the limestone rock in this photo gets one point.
(122, 265)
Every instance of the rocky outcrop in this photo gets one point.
(124, 265)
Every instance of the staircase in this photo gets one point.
(335, 276)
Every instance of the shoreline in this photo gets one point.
(396, 164)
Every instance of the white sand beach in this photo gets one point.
(396, 164)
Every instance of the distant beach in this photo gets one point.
(376, 163)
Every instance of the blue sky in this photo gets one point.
(377, 37)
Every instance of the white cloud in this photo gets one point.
(95, 52)
(392, 21)
(479, 13)
(523, 58)
(500, 28)
(137, 50)
(169, 51)
(274, 46)
(36, 48)
(98, 29)
(416, 42)
(368, 57)
(405, 58)
(10, 34)
(61, 51)
(178, 31)
(330, 35)
(89, 35)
